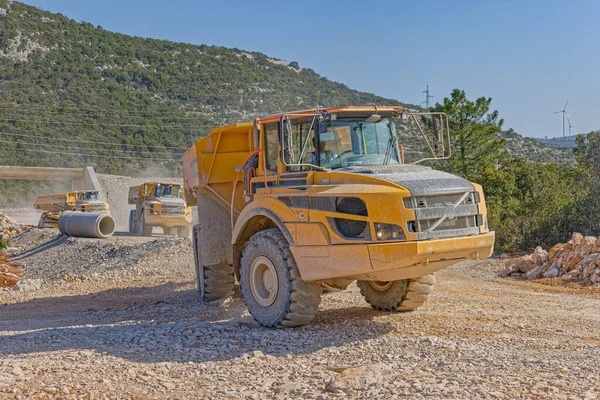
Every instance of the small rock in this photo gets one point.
(257, 354)
(28, 285)
(224, 302)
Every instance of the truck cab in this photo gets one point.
(89, 201)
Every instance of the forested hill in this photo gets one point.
(74, 94)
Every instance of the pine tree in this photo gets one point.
(474, 130)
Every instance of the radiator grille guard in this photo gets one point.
(445, 205)
(97, 207)
(174, 210)
(445, 216)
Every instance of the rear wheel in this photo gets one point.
(214, 281)
(272, 288)
(184, 231)
(403, 295)
(133, 228)
(145, 229)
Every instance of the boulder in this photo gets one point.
(576, 239)
(524, 264)
(539, 256)
(571, 276)
(554, 250)
(536, 272)
(552, 272)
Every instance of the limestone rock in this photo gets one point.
(551, 273)
(524, 264)
(536, 272)
(539, 256)
(359, 378)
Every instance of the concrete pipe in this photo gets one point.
(85, 224)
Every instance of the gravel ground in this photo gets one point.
(46, 256)
(149, 337)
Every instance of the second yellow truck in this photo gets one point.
(297, 203)
(159, 204)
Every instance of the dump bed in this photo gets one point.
(134, 195)
(210, 164)
(56, 202)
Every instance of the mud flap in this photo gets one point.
(198, 260)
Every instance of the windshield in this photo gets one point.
(168, 191)
(88, 196)
(352, 143)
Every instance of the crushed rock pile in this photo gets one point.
(46, 256)
(9, 275)
(9, 227)
(575, 261)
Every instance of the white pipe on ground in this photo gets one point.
(85, 224)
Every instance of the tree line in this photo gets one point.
(529, 203)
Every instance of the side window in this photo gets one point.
(303, 150)
(271, 146)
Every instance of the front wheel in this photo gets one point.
(403, 295)
(272, 288)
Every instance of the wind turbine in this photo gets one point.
(564, 113)
(570, 126)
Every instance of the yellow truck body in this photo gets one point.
(159, 204)
(54, 205)
(375, 223)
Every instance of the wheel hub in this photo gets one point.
(263, 281)
(381, 286)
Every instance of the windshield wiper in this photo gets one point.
(388, 152)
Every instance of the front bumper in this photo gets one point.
(167, 221)
(389, 261)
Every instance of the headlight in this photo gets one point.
(153, 210)
(388, 232)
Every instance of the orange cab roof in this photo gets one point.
(349, 109)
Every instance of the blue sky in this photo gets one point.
(529, 56)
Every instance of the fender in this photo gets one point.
(265, 207)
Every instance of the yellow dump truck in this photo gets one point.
(55, 205)
(159, 204)
(297, 203)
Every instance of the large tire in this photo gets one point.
(132, 223)
(272, 288)
(404, 295)
(145, 229)
(218, 282)
(214, 282)
(183, 231)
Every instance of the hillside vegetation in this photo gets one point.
(518, 146)
(66, 85)
(568, 142)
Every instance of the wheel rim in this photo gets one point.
(263, 281)
(381, 286)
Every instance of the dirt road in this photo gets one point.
(149, 337)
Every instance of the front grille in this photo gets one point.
(445, 216)
(97, 207)
(174, 210)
